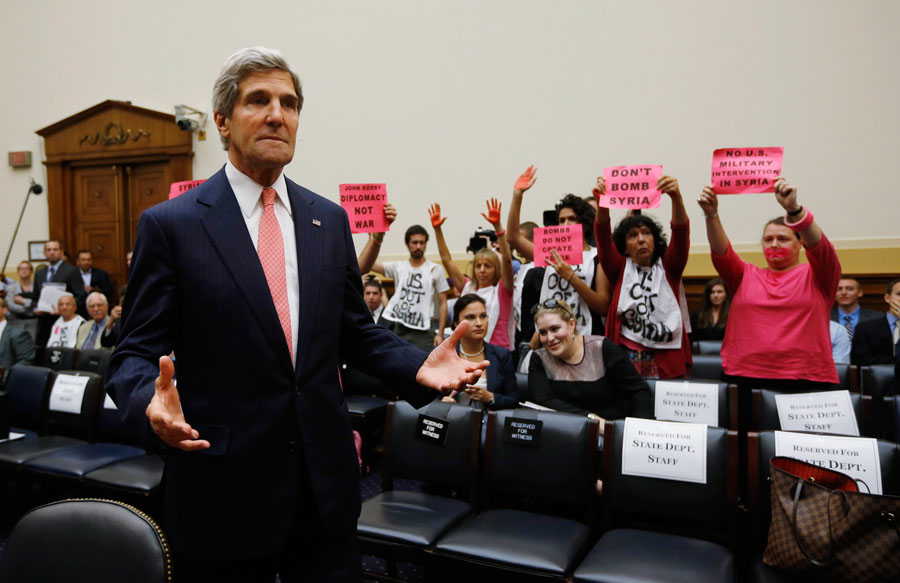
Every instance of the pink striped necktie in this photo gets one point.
(270, 247)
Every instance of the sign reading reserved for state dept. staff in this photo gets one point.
(828, 412)
(67, 393)
(687, 401)
(665, 450)
(855, 456)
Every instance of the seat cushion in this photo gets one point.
(546, 544)
(79, 460)
(142, 473)
(639, 556)
(363, 405)
(21, 450)
(412, 518)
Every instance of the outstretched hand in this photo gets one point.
(526, 180)
(165, 414)
(435, 212)
(786, 194)
(493, 216)
(444, 370)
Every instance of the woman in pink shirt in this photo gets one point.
(777, 334)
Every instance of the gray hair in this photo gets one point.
(96, 293)
(241, 64)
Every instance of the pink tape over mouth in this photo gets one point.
(777, 252)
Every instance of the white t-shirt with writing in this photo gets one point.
(64, 334)
(415, 290)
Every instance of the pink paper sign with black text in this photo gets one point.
(631, 187)
(567, 241)
(364, 204)
(746, 170)
(178, 188)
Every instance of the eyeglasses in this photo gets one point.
(550, 304)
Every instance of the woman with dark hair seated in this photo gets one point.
(586, 375)
(778, 325)
(708, 323)
(644, 316)
(496, 388)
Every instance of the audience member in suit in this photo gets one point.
(58, 271)
(373, 293)
(876, 341)
(94, 278)
(708, 323)
(253, 281)
(496, 389)
(64, 331)
(21, 293)
(847, 312)
(16, 345)
(110, 336)
(91, 331)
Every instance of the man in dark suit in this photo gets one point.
(373, 294)
(94, 278)
(846, 311)
(253, 282)
(57, 271)
(875, 341)
(16, 344)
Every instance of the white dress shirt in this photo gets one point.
(249, 198)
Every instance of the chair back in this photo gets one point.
(56, 358)
(111, 427)
(95, 360)
(848, 377)
(71, 541)
(27, 386)
(704, 510)
(707, 366)
(878, 380)
(765, 410)
(709, 347)
(452, 463)
(559, 467)
(724, 412)
(71, 410)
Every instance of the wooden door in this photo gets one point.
(147, 185)
(97, 216)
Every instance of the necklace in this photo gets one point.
(467, 355)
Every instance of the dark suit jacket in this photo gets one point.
(872, 343)
(501, 377)
(197, 287)
(16, 346)
(67, 274)
(864, 314)
(100, 280)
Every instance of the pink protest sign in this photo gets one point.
(631, 187)
(364, 204)
(178, 188)
(567, 241)
(746, 170)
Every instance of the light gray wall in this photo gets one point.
(450, 101)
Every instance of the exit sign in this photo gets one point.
(20, 159)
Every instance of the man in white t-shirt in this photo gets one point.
(416, 284)
(64, 332)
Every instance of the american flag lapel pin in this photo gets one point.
(317, 222)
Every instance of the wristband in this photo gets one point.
(377, 239)
(570, 278)
(500, 233)
(800, 225)
(796, 212)
(710, 217)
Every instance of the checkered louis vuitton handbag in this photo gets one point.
(824, 528)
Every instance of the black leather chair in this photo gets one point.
(727, 413)
(367, 414)
(877, 379)
(765, 412)
(761, 448)
(134, 480)
(666, 531)
(709, 347)
(848, 377)
(86, 540)
(402, 525)
(26, 385)
(707, 367)
(539, 501)
(57, 358)
(96, 360)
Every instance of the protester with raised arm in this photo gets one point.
(369, 254)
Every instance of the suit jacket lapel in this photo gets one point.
(227, 230)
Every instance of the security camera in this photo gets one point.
(189, 119)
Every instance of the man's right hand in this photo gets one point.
(526, 180)
(165, 414)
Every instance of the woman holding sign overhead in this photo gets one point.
(778, 314)
(644, 316)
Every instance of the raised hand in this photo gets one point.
(435, 212)
(599, 188)
(493, 216)
(563, 269)
(165, 414)
(390, 213)
(526, 180)
(786, 194)
(708, 201)
(668, 185)
(444, 369)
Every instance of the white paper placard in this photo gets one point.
(687, 401)
(109, 404)
(67, 393)
(664, 449)
(50, 294)
(855, 456)
(828, 412)
(13, 436)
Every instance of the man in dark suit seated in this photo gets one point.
(94, 278)
(59, 272)
(846, 311)
(876, 341)
(16, 345)
(253, 281)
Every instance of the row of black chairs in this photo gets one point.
(531, 513)
(55, 358)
